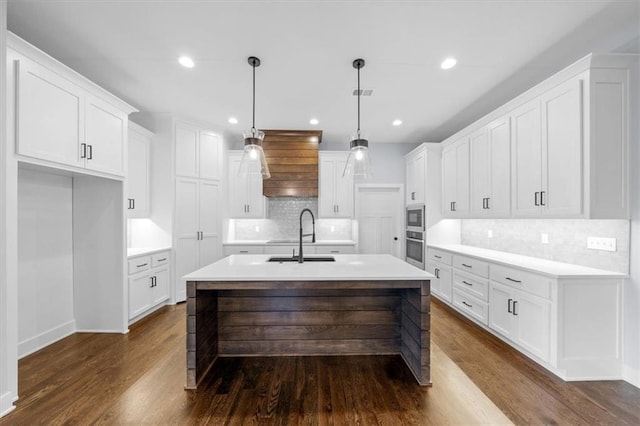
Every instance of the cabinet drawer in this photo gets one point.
(439, 256)
(471, 306)
(138, 264)
(229, 250)
(470, 265)
(523, 280)
(160, 259)
(335, 249)
(475, 286)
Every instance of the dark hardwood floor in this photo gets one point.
(138, 379)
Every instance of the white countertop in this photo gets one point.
(533, 264)
(289, 242)
(347, 267)
(140, 251)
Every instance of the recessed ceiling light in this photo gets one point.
(313, 121)
(233, 120)
(448, 63)
(397, 122)
(186, 62)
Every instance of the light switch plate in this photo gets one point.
(544, 238)
(601, 243)
(489, 233)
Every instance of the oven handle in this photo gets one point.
(415, 240)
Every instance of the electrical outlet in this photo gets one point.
(544, 238)
(600, 243)
(489, 233)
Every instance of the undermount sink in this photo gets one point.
(306, 259)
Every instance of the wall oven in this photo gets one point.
(415, 250)
(415, 218)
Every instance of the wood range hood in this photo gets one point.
(292, 156)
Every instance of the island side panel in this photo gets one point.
(202, 332)
(309, 322)
(415, 332)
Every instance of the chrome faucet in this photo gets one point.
(313, 234)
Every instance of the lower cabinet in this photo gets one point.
(288, 249)
(148, 283)
(442, 286)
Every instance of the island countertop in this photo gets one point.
(347, 267)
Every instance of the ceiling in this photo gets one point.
(307, 48)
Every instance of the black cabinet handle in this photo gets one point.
(535, 199)
(141, 265)
(90, 152)
(437, 273)
(512, 280)
(162, 260)
(437, 257)
(133, 204)
(488, 208)
(83, 150)
(469, 284)
(413, 195)
(467, 266)
(515, 302)
(467, 304)
(509, 306)
(454, 206)
(542, 198)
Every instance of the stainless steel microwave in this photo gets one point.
(415, 218)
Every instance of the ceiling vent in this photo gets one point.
(363, 92)
(292, 156)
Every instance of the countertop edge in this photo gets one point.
(146, 251)
(305, 243)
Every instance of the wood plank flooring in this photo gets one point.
(138, 379)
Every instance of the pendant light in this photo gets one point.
(253, 161)
(358, 162)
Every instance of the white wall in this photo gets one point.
(45, 259)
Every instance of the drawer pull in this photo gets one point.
(509, 306)
(467, 304)
(467, 266)
(141, 265)
(515, 302)
(335, 251)
(469, 284)
(437, 257)
(512, 280)
(244, 251)
(162, 260)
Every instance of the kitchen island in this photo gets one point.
(244, 305)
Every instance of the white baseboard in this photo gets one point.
(35, 343)
(6, 403)
(631, 375)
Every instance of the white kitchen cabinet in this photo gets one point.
(197, 152)
(245, 192)
(423, 180)
(335, 191)
(196, 232)
(148, 283)
(442, 286)
(523, 318)
(138, 176)
(416, 167)
(63, 120)
(334, 249)
(491, 170)
(455, 177)
(230, 249)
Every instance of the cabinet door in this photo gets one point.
(480, 173)
(416, 169)
(501, 318)
(527, 153)
(435, 283)
(461, 206)
(445, 283)
(343, 189)
(562, 150)
(209, 153)
(139, 290)
(138, 176)
(254, 197)
(209, 206)
(449, 181)
(49, 115)
(186, 232)
(499, 135)
(186, 155)
(105, 136)
(534, 324)
(160, 292)
(237, 188)
(186, 261)
(326, 184)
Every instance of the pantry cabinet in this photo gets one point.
(245, 192)
(197, 152)
(61, 119)
(138, 176)
(335, 191)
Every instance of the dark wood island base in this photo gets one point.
(284, 318)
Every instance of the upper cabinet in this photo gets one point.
(335, 191)
(423, 176)
(138, 177)
(61, 119)
(455, 179)
(560, 150)
(245, 192)
(198, 152)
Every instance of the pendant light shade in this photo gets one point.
(358, 163)
(253, 162)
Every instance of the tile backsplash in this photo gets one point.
(283, 219)
(567, 239)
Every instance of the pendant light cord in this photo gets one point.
(253, 121)
(358, 102)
